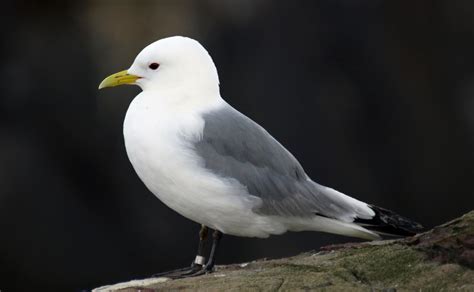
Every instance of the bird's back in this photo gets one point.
(233, 146)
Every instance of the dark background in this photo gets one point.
(375, 98)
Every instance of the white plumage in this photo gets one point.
(164, 121)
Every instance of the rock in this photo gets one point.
(440, 259)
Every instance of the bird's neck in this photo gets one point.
(181, 99)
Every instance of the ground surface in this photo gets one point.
(440, 259)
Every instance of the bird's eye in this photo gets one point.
(154, 66)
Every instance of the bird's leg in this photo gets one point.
(209, 267)
(200, 259)
(216, 236)
(196, 265)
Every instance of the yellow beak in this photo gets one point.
(119, 78)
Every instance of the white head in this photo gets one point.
(171, 63)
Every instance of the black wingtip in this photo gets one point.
(389, 222)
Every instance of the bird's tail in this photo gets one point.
(387, 222)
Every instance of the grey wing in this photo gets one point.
(234, 146)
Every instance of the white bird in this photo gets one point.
(215, 166)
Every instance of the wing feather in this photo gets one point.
(235, 147)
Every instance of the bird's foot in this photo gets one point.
(203, 271)
(179, 273)
(189, 272)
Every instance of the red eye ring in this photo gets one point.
(154, 66)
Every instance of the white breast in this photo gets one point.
(158, 139)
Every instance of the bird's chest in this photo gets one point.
(159, 146)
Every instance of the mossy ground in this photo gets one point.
(439, 260)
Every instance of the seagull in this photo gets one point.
(217, 167)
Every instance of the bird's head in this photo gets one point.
(170, 63)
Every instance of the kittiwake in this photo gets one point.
(217, 167)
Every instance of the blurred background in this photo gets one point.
(375, 98)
